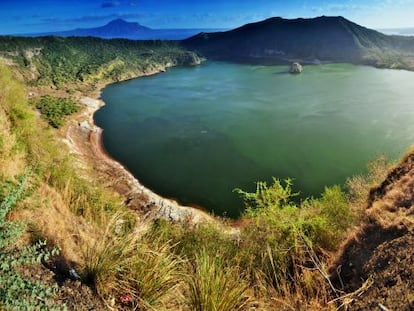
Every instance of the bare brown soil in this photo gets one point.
(391, 266)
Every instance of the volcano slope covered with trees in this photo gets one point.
(321, 39)
(57, 62)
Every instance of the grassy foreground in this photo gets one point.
(275, 258)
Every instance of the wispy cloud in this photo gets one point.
(110, 4)
(336, 8)
(115, 3)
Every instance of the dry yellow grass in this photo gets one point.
(126, 268)
(11, 160)
(391, 204)
(51, 218)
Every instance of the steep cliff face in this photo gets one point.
(330, 39)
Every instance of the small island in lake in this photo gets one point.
(296, 68)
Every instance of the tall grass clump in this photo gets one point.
(215, 286)
(187, 240)
(136, 272)
(359, 186)
(152, 278)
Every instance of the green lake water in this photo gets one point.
(197, 133)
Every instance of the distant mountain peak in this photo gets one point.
(118, 21)
(121, 24)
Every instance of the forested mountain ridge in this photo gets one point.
(57, 61)
(321, 39)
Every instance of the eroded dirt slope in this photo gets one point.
(380, 256)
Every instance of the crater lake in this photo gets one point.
(197, 133)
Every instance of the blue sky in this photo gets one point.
(31, 16)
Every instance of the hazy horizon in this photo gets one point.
(24, 16)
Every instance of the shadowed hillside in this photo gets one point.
(321, 39)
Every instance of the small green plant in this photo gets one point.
(55, 109)
(16, 292)
(335, 215)
(276, 195)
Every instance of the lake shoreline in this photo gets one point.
(84, 139)
(222, 126)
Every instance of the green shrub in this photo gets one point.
(281, 236)
(335, 214)
(16, 292)
(84, 61)
(55, 109)
(276, 195)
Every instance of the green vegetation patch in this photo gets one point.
(55, 109)
(59, 61)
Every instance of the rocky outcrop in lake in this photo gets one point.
(296, 68)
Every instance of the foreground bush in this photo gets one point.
(284, 244)
(281, 246)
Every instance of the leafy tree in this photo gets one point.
(55, 109)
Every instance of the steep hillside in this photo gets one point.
(57, 61)
(322, 39)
